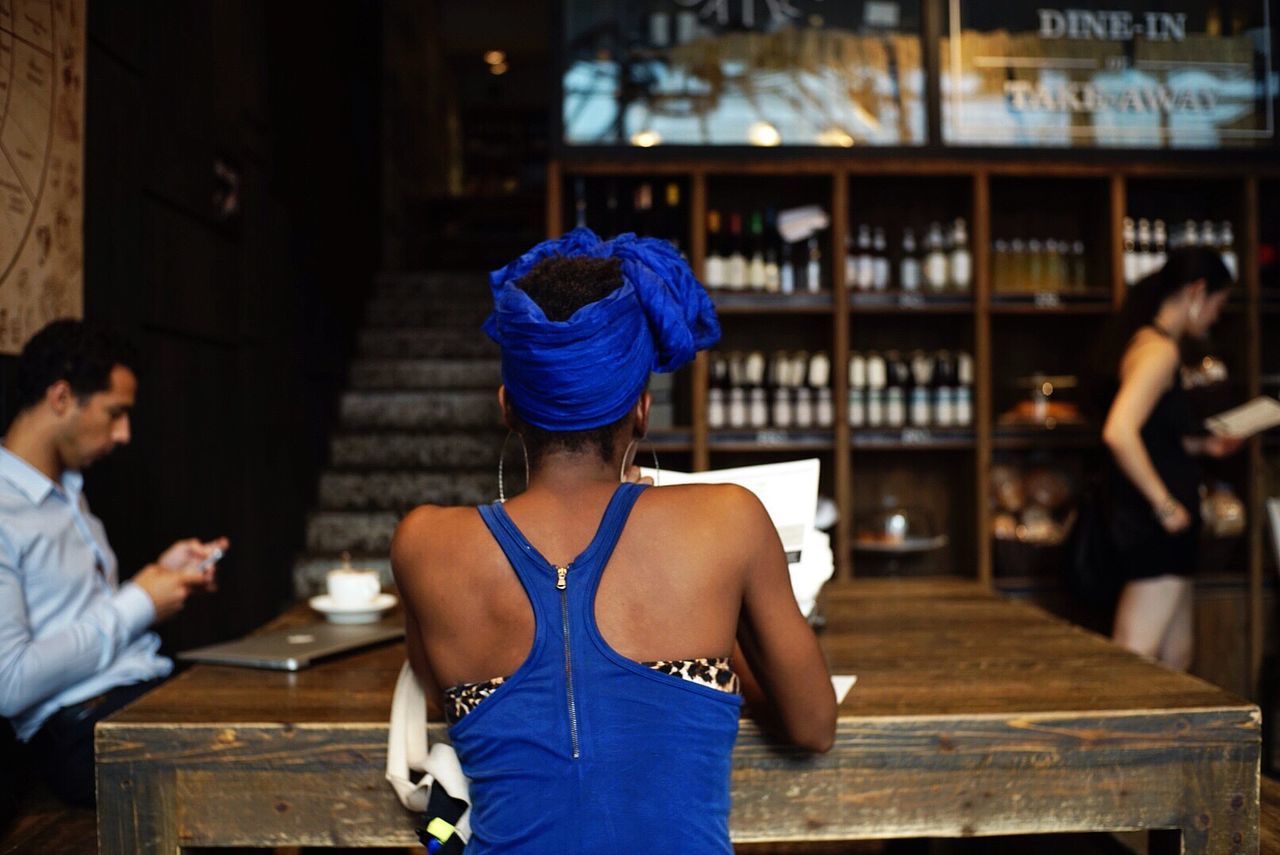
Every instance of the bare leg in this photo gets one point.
(1178, 647)
(1145, 612)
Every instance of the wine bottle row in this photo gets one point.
(1146, 243)
(750, 390)
(647, 209)
(938, 263)
(1035, 265)
(759, 392)
(920, 389)
(751, 255)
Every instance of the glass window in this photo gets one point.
(1109, 73)
(743, 72)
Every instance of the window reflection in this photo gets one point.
(743, 72)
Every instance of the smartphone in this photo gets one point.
(214, 558)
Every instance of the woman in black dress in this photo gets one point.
(1154, 480)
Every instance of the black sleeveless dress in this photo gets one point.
(1143, 548)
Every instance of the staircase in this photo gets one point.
(418, 423)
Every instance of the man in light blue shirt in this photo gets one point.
(75, 644)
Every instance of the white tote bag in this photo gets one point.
(407, 751)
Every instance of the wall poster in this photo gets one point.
(1109, 73)
(41, 165)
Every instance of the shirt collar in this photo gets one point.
(33, 483)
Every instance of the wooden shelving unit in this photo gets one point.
(985, 323)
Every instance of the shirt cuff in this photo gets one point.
(135, 607)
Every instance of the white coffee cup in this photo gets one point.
(349, 586)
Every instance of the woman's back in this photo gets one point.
(553, 618)
(582, 747)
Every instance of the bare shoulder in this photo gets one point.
(710, 507)
(428, 533)
(1147, 343)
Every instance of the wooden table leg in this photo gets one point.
(137, 810)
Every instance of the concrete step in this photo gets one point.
(389, 449)
(309, 571)
(431, 410)
(428, 312)
(367, 532)
(467, 284)
(409, 374)
(400, 491)
(426, 343)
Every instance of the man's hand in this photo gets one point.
(186, 555)
(168, 588)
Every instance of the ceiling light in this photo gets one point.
(764, 134)
(646, 138)
(835, 137)
(495, 57)
(498, 68)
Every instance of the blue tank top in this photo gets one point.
(582, 750)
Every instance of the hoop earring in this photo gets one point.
(502, 492)
(628, 457)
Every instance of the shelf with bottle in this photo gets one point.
(766, 245)
(917, 400)
(912, 257)
(1045, 254)
(779, 400)
(650, 206)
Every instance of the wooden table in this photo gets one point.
(972, 716)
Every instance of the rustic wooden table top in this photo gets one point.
(972, 715)
(919, 647)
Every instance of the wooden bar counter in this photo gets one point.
(972, 715)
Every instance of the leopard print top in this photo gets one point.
(716, 673)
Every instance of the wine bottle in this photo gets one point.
(772, 244)
(580, 203)
(909, 273)
(673, 227)
(850, 262)
(755, 267)
(714, 272)
(866, 263)
(880, 262)
(813, 270)
(935, 261)
(1129, 237)
(857, 390)
(1227, 249)
(961, 260)
(1159, 244)
(735, 268)
(786, 269)
(1144, 248)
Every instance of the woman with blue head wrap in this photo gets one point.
(585, 628)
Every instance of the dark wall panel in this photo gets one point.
(244, 326)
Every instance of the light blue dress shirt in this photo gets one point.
(68, 629)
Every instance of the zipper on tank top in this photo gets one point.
(562, 587)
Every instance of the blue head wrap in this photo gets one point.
(587, 371)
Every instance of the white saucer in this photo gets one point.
(363, 613)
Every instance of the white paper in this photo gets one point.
(788, 491)
(1262, 413)
(842, 683)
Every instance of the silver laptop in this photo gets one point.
(296, 647)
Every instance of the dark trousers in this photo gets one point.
(62, 749)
